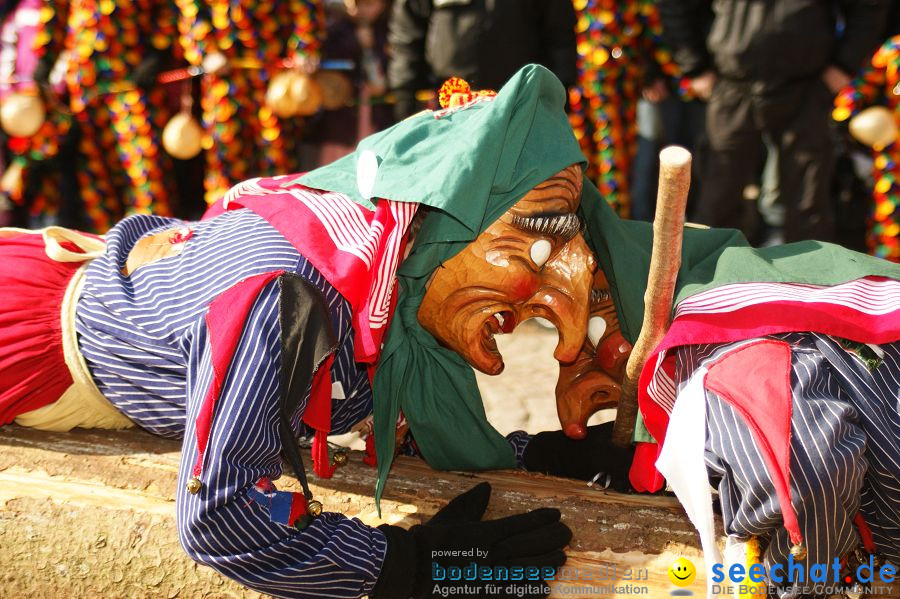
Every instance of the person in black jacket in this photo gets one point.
(481, 41)
(770, 71)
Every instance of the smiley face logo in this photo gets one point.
(682, 572)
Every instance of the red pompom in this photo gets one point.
(453, 85)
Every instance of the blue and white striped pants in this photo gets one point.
(845, 452)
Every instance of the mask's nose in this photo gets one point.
(564, 296)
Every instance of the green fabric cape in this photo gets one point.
(710, 258)
(469, 165)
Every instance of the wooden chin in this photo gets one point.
(453, 288)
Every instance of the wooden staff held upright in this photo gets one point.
(665, 260)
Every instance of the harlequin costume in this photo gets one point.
(39, 189)
(119, 122)
(244, 138)
(879, 83)
(242, 330)
(777, 382)
(619, 51)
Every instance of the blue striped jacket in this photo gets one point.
(145, 341)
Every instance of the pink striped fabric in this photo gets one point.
(356, 249)
(870, 296)
(865, 310)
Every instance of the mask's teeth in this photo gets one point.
(500, 319)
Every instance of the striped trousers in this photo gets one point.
(845, 451)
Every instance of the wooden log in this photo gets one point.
(91, 513)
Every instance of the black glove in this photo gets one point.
(148, 70)
(413, 568)
(554, 453)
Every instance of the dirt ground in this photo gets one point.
(522, 396)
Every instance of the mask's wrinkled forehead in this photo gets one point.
(560, 193)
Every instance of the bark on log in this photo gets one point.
(91, 514)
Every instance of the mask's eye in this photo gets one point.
(596, 328)
(540, 252)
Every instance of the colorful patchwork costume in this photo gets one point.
(38, 189)
(879, 83)
(107, 43)
(619, 52)
(244, 138)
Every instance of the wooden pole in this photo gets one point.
(665, 260)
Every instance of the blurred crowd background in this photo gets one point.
(791, 107)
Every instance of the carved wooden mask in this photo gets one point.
(531, 262)
(593, 381)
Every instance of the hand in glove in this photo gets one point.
(535, 538)
(554, 453)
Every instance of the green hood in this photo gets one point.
(470, 165)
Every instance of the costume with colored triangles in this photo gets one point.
(114, 50)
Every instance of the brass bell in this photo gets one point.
(181, 136)
(799, 551)
(278, 95)
(194, 485)
(314, 508)
(22, 114)
(13, 180)
(341, 458)
(305, 94)
(875, 126)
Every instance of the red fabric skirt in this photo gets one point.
(33, 371)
